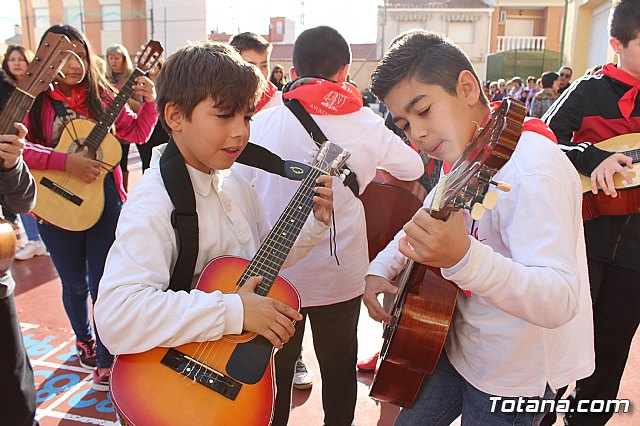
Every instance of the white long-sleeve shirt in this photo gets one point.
(319, 280)
(528, 321)
(133, 313)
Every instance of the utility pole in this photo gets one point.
(302, 13)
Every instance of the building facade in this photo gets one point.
(128, 22)
(466, 22)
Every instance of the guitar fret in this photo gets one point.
(274, 250)
(99, 131)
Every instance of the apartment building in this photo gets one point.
(129, 22)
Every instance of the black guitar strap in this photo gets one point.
(319, 138)
(184, 217)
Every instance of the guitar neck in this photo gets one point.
(109, 116)
(274, 250)
(16, 110)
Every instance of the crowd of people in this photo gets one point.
(544, 303)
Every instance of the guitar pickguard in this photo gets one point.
(249, 360)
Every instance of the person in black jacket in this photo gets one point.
(595, 108)
(17, 392)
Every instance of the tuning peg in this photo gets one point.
(477, 211)
(490, 200)
(346, 172)
(342, 177)
(502, 186)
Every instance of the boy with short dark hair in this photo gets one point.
(595, 108)
(525, 329)
(257, 51)
(206, 97)
(330, 291)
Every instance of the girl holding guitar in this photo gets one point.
(79, 256)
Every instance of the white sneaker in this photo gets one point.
(31, 249)
(302, 378)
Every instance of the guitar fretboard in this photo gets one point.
(274, 250)
(17, 108)
(634, 154)
(109, 116)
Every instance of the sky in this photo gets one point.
(356, 20)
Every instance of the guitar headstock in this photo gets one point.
(467, 185)
(51, 56)
(149, 55)
(332, 158)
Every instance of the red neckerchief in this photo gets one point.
(323, 97)
(76, 102)
(628, 101)
(266, 95)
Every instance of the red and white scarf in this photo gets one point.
(324, 97)
(266, 95)
(628, 101)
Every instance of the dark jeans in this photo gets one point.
(445, 395)
(17, 391)
(79, 258)
(335, 341)
(615, 293)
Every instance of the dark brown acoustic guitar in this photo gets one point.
(425, 301)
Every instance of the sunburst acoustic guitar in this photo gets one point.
(65, 200)
(229, 381)
(425, 301)
(50, 57)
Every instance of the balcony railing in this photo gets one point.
(520, 43)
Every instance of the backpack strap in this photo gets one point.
(184, 217)
(319, 138)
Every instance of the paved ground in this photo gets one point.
(65, 397)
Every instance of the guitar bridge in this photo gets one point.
(47, 183)
(198, 372)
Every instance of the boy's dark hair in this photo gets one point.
(320, 52)
(425, 56)
(625, 21)
(203, 70)
(548, 78)
(250, 41)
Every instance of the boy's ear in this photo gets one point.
(293, 74)
(173, 117)
(616, 45)
(469, 87)
(343, 72)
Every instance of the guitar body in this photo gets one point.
(8, 246)
(145, 391)
(65, 200)
(389, 204)
(628, 199)
(415, 336)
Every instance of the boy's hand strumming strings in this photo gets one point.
(323, 200)
(266, 316)
(11, 147)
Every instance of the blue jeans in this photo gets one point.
(30, 227)
(445, 395)
(79, 258)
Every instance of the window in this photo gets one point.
(41, 17)
(461, 32)
(111, 19)
(279, 27)
(73, 16)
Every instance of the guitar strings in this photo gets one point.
(255, 267)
